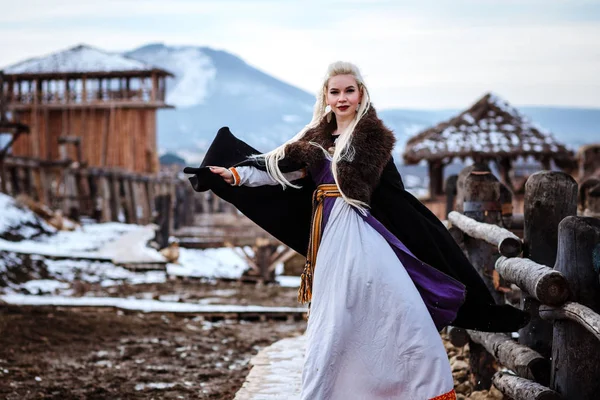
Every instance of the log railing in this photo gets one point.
(558, 351)
(508, 243)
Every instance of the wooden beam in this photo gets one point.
(450, 191)
(576, 351)
(154, 90)
(579, 313)
(518, 388)
(525, 362)
(97, 104)
(508, 244)
(543, 283)
(549, 197)
(84, 98)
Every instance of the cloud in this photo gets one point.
(427, 53)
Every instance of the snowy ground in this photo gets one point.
(75, 323)
(94, 253)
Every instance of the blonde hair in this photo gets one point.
(343, 148)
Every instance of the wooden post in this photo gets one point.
(549, 197)
(504, 166)
(94, 191)
(130, 203)
(115, 197)
(150, 195)
(204, 204)
(190, 206)
(264, 250)
(482, 366)
(4, 98)
(171, 191)
(163, 216)
(545, 163)
(44, 182)
(18, 178)
(593, 202)
(579, 313)
(14, 181)
(481, 195)
(506, 197)
(585, 188)
(83, 191)
(215, 203)
(70, 197)
(154, 89)
(178, 206)
(436, 178)
(575, 351)
(460, 183)
(136, 200)
(104, 203)
(481, 203)
(84, 96)
(30, 183)
(142, 201)
(450, 190)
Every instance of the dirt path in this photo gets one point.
(57, 353)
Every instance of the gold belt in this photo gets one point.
(322, 191)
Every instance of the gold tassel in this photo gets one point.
(305, 291)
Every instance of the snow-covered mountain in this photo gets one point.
(213, 88)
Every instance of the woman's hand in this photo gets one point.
(223, 173)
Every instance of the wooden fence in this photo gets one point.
(557, 354)
(103, 194)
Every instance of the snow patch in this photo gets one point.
(137, 304)
(18, 222)
(194, 72)
(288, 281)
(154, 386)
(44, 286)
(211, 263)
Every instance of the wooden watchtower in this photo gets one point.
(104, 104)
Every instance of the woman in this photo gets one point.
(376, 301)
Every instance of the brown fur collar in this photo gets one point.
(373, 143)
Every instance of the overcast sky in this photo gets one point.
(415, 54)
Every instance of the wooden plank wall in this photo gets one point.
(113, 137)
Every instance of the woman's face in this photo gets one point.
(343, 96)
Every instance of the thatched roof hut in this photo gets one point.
(491, 130)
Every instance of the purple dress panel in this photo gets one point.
(442, 294)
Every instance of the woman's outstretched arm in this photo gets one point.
(253, 177)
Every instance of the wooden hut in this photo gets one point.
(87, 105)
(491, 130)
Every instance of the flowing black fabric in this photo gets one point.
(286, 214)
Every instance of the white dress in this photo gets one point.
(370, 335)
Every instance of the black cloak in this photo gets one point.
(286, 214)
